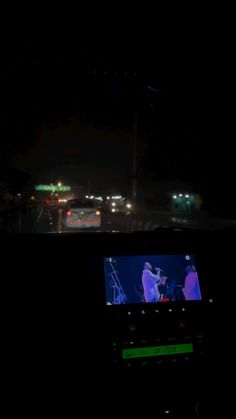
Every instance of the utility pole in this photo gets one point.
(88, 184)
(134, 165)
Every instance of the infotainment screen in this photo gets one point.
(151, 279)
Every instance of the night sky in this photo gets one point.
(68, 108)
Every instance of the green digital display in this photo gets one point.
(52, 188)
(157, 351)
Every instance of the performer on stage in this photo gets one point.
(191, 288)
(150, 283)
(163, 288)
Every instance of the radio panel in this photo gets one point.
(156, 308)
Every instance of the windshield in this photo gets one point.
(144, 143)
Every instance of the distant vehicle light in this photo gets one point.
(180, 194)
(108, 197)
(129, 206)
(69, 213)
(98, 213)
(174, 196)
(113, 204)
(113, 210)
(186, 196)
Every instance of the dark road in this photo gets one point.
(38, 218)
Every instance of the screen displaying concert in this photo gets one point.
(151, 279)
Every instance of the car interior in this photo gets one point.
(125, 310)
(64, 333)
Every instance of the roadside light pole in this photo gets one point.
(88, 185)
(134, 165)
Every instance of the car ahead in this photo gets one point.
(81, 213)
(51, 201)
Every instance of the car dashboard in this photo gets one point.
(73, 318)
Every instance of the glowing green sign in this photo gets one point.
(52, 188)
(157, 351)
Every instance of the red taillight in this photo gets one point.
(69, 213)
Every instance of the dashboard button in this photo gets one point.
(132, 327)
(182, 324)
